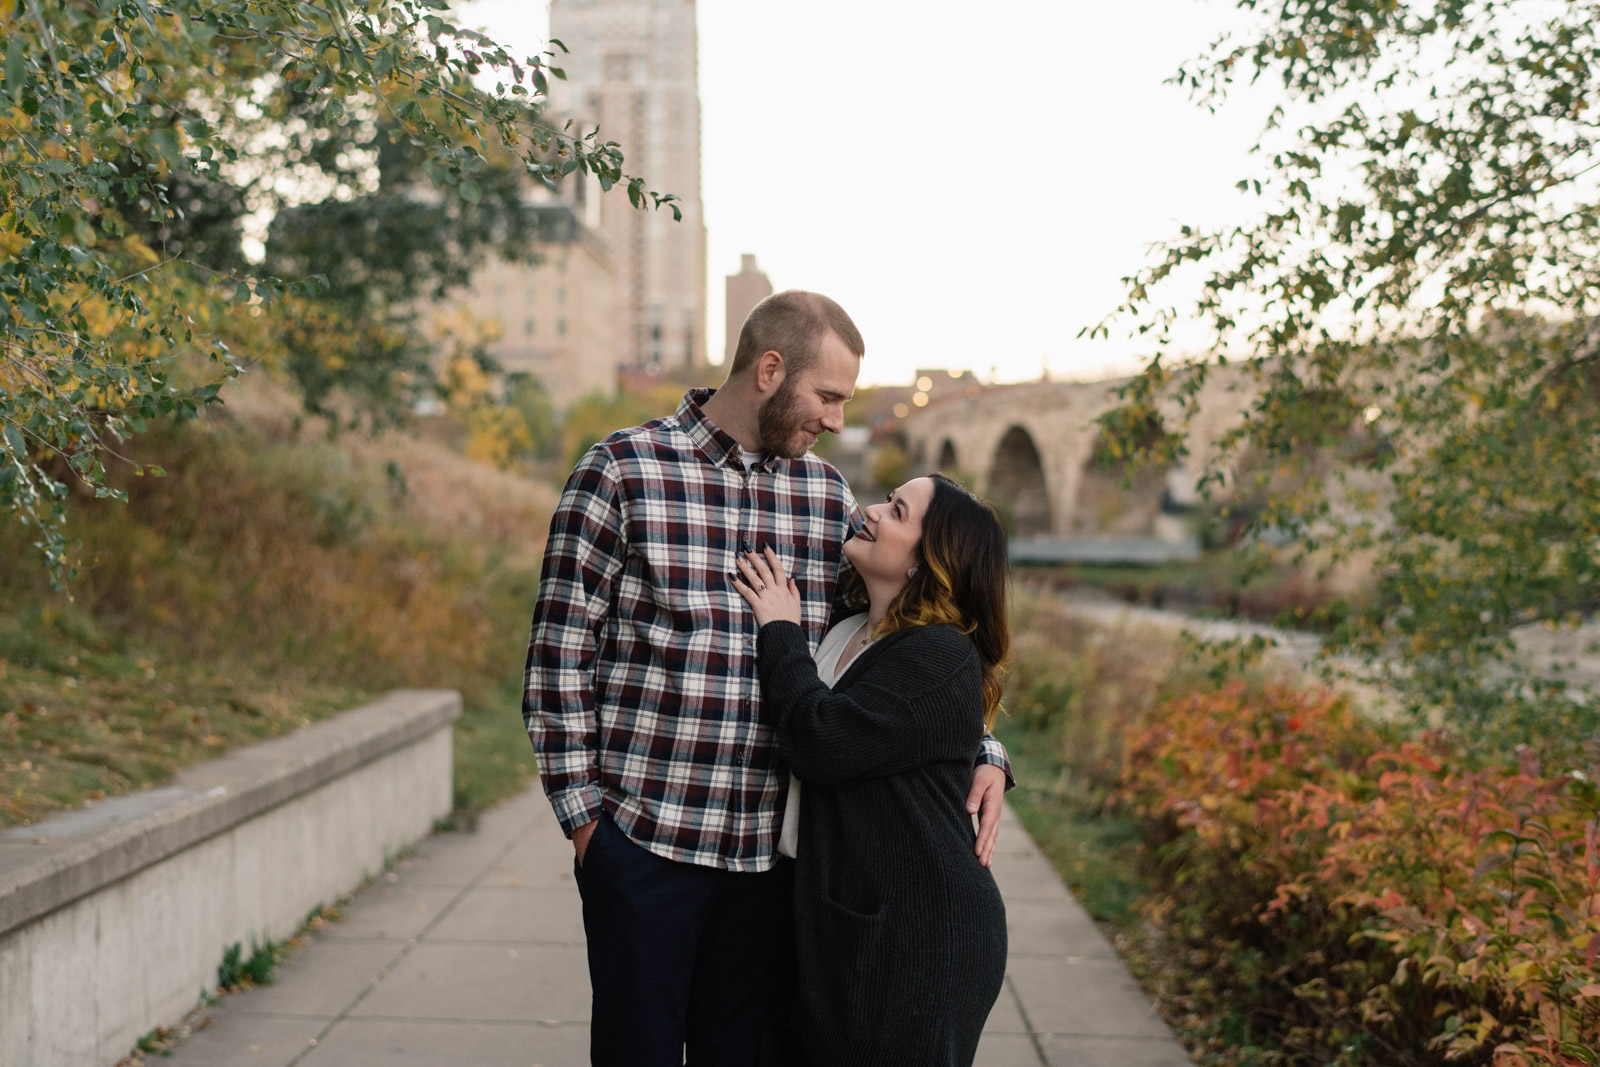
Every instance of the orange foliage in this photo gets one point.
(1413, 906)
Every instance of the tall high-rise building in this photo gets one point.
(634, 71)
(744, 291)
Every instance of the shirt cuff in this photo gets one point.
(993, 752)
(577, 806)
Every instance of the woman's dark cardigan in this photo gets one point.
(900, 930)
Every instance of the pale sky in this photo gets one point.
(969, 180)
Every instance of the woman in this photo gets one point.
(901, 932)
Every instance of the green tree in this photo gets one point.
(1416, 296)
(383, 243)
(527, 395)
(136, 139)
(596, 416)
(891, 465)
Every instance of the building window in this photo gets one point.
(561, 296)
(561, 327)
(527, 327)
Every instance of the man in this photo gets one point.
(642, 700)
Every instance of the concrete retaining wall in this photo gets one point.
(113, 919)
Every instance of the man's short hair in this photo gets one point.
(793, 324)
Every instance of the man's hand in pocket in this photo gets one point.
(580, 838)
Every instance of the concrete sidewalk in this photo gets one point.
(471, 952)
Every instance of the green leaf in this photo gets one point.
(14, 67)
(470, 192)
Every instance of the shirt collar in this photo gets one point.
(712, 440)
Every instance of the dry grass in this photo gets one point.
(445, 492)
(1081, 685)
(1073, 690)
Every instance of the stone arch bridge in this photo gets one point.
(1030, 449)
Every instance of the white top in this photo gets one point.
(830, 670)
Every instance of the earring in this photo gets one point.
(912, 573)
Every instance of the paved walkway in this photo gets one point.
(471, 952)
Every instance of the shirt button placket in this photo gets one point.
(747, 513)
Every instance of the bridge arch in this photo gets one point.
(949, 461)
(1106, 505)
(1017, 484)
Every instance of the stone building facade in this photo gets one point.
(743, 292)
(555, 320)
(634, 71)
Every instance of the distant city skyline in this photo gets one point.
(970, 182)
(632, 71)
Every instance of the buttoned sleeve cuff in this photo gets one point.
(994, 752)
(579, 805)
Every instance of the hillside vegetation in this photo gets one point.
(273, 577)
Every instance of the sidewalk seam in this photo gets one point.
(411, 944)
(1027, 1023)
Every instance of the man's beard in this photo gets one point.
(779, 422)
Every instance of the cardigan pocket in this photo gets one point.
(858, 974)
(843, 942)
(852, 914)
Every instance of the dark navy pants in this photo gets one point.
(681, 958)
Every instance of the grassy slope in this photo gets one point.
(273, 578)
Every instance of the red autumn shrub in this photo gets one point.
(1372, 900)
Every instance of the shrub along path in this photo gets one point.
(471, 951)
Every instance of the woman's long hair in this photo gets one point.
(962, 579)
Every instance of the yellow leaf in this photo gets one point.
(1522, 971)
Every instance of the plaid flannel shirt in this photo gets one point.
(641, 695)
